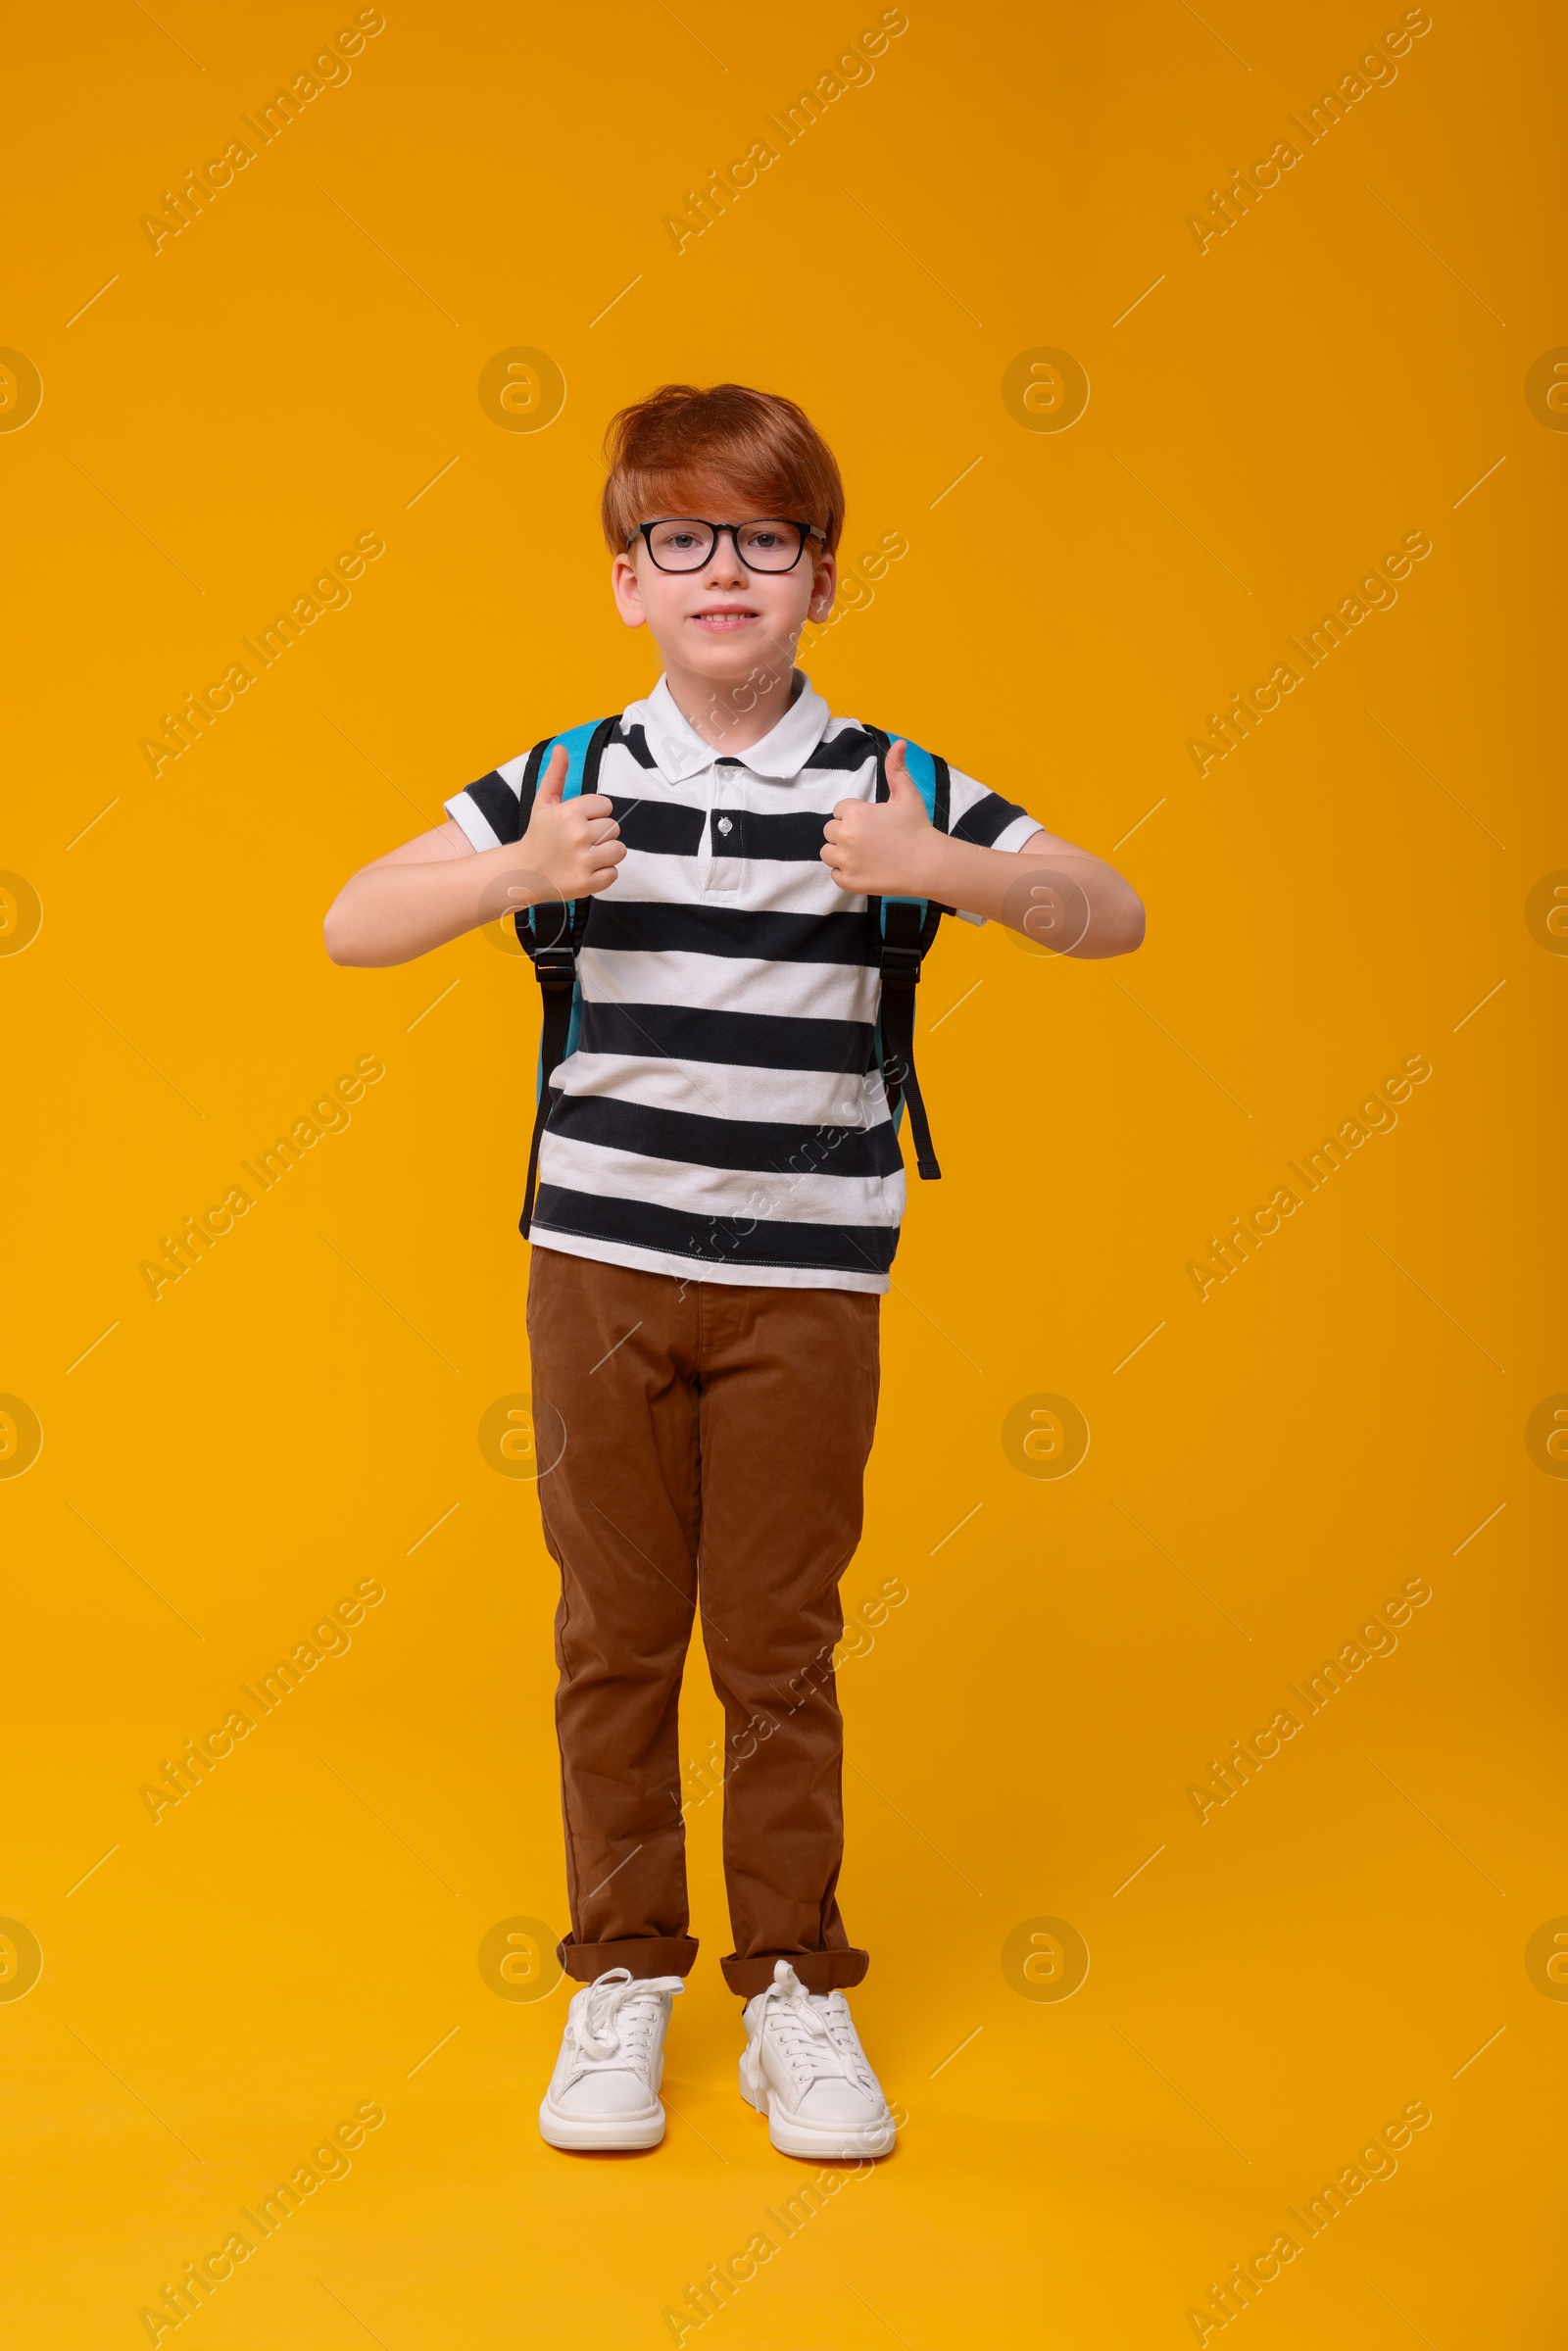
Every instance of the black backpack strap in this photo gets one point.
(529, 785)
(906, 929)
(552, 946)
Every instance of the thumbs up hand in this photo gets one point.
(882, 849)
(575, 843)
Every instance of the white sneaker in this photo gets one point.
(605, 2089)
(806, 2069)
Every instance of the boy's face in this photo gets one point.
(723, 622)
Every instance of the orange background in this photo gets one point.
(1266, 419)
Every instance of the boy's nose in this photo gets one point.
(725, 566)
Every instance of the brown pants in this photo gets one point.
(714, 1440)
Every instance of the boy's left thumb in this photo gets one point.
(897, 774)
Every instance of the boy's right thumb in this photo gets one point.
(552, 782)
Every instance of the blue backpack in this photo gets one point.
(551, 937)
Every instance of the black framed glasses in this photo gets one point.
(684, 543)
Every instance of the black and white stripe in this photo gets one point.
(722, 1114)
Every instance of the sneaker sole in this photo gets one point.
(587, 2135)
(792, 2136)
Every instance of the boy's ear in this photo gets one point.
(626, 589)
(825, 587)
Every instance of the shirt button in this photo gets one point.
(724, 825)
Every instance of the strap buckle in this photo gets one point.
(555, 966)
(902, 963)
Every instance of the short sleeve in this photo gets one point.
(986, 820)
(488, 813)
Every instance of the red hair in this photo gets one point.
(760, 448)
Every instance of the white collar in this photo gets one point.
(680, 752)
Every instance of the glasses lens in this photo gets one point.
(770, 546)
(681, 545)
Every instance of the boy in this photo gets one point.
(719, 1190)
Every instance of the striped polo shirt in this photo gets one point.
(722, 1114)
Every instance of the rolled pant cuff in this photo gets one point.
(818, 1971)
(643, 1954)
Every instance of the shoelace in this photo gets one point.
(618, 2017)
(817, 2042)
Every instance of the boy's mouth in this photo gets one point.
(721, 619)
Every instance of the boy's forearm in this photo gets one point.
(996, 883)
(392, 913)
